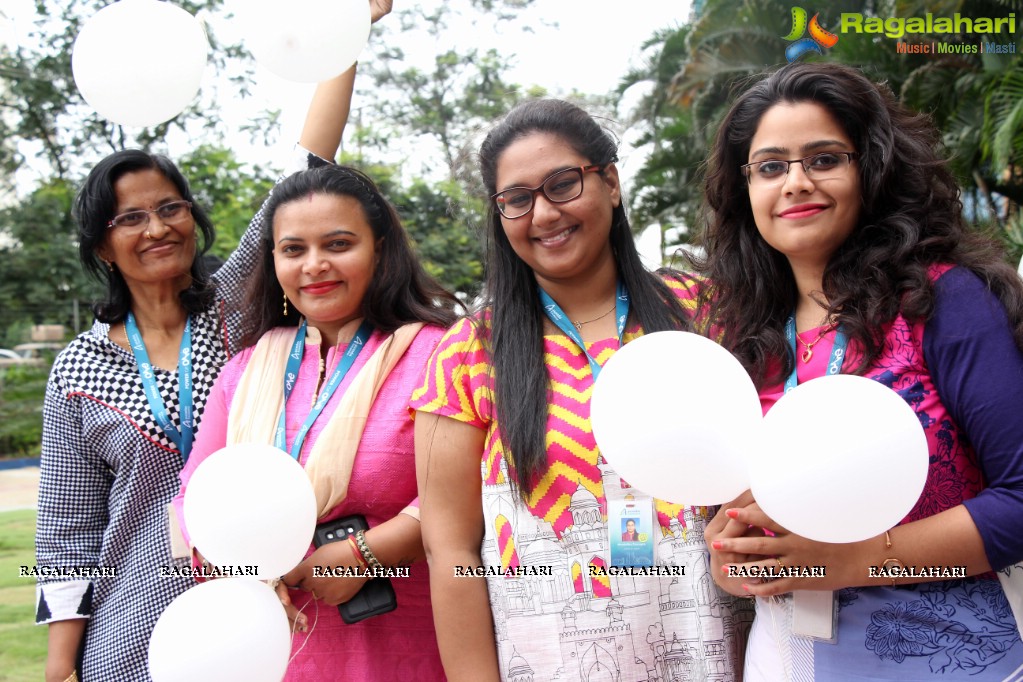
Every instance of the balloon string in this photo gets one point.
(309, 634)
(774, 603)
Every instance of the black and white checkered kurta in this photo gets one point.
(108, 472)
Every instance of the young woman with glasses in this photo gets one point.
(834, 226)
(510, 479)
(125, 398)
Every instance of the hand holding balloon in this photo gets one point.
(378, 9)
(251, 505)
(331, 590)
(307, 40)
(299, 621)
(844, 459)
(844, 564)
(723, 527)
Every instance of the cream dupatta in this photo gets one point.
(259, 399)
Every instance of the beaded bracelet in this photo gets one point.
(367, 553)
(356, 552)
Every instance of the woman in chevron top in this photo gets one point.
(510, 478)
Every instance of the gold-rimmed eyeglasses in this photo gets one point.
(172, 212)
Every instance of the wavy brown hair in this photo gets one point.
(910, 219)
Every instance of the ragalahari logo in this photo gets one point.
(819, 37)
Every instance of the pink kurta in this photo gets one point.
(400, 645)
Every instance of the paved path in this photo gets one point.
(19, 488)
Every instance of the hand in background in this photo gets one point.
(379, 9)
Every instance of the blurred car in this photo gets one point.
(30, 354)
(39, 350)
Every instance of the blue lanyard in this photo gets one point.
(834, 362)
(352, 351)
(558, 317)
(183, 439)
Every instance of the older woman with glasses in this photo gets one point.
(511, 483)
(125, 398)
(836, 241)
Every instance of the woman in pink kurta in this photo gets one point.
(340, 261)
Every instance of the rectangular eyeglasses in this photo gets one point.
(817, 166)
(558, 187)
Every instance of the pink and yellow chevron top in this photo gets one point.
(459, 385)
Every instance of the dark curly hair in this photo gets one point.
(910, 219)
(96, 204)
(400, 292)
(515, 337)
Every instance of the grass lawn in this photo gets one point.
(23, 653)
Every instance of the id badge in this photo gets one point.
(630, 527)
(815, 615)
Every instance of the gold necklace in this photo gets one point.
(579, 325)
(808, 353)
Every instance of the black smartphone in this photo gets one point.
(377, 595)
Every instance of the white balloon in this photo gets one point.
(305, 40)
(222, 630)
(676, 416)
(139, 62)
(251, 505)
(846, 459)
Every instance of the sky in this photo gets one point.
(585, 45)
(593, 43)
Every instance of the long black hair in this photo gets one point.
(910, 219)
(400, 292)
(515, 337)
(96, 204)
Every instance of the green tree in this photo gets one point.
(230, 191)
(975, 100)
(666, 188)
(43, 107)
(42, 276)
(464, 91)
(441, 221)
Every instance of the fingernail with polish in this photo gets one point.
(732, 513)
(716, 544)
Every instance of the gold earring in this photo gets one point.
(110, 266)
(285, 305)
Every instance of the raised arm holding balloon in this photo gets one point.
(510, 476)
(829, 197)
(125, 398)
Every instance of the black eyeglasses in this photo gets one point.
(171, 213)
(817, 166)
(558, 187)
